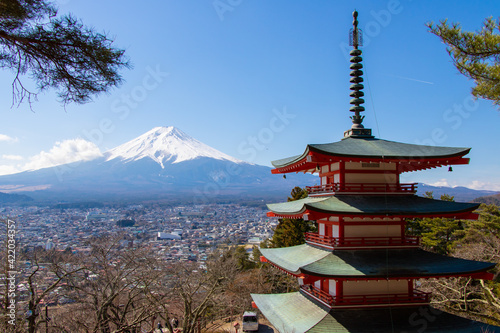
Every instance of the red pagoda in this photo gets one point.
(359, 272)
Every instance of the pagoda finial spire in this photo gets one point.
(356, 40)
(355, 36)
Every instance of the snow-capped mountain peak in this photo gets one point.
(165, 145)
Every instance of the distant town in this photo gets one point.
(176, 233)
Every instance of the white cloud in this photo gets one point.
(474, 184)
(9, 169)
(6, 138)
(479, 185)
(441, 182)
(13, 157)
(64, 152)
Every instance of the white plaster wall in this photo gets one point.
(321, 228)
(335, 230)
(317, 284)
(332, 287)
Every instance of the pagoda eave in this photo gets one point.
(475, 275)
(307, 260)
(304, 273)
(295, 312)
(403, 206)
(312, 165)
(300, 166)
(310, 215)
(317, 215)
(313, 158)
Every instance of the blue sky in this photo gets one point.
(259, 80)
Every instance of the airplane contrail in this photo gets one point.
(408, 78)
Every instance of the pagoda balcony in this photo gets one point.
(416, 296)
(380, 188)
(360, 242)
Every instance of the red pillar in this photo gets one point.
(325, 286)
(341, 228)
(410, 287)
(340, 289)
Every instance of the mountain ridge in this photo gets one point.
(163, 162)
(461, 193)
(165, 144)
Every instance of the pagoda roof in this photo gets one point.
(372, 149)
(290, 312)
(384, 205)
(295, 312)
(380, 263)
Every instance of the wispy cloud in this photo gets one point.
(479, 185)
(6, 138)
(441, 182)
(13, 157)
(474, 184)
(63, 152)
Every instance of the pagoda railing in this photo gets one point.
(334, 242)
(416, 296)
(319, 294)
(409, 188)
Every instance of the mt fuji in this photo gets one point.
(166, 145)
(162, 163)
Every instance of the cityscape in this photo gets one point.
(173, 233)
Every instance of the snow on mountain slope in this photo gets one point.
(165, 145)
